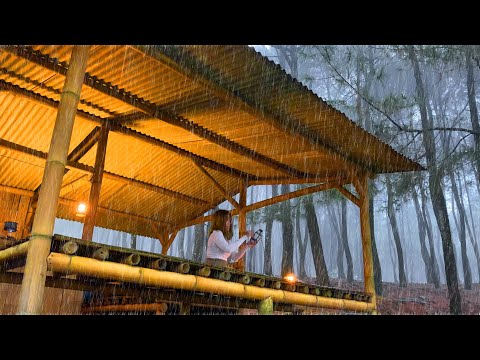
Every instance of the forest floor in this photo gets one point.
(417, 299)
(424, 299)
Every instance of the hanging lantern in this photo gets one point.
(81, 209)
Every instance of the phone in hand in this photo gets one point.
(257, 236)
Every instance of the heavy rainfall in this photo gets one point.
(420, 100)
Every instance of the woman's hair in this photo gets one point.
(219, 219)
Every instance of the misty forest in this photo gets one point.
(422, 100)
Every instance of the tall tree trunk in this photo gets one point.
(269, 217)
(287, 233)
(421, 233)
(467, 273)
(429, 230)
(392, 256)
(436, 192)
(316, 243)
(301, 245)
(472, 231)
(336, 229)
(472, 103)
(377, 269)
(182, 234)
(396, 236)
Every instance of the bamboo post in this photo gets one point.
(97, 177)
(242, 224)
(265, 307)
(33, 283)
(369, 280)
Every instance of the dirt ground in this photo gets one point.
(415, 299)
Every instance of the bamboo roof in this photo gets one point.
(175, 112)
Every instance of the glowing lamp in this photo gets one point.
(291, 278)
(81, 209)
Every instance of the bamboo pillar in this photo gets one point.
(33, 282)
(242, 224)
(97, 177)
(369, 281)
(265, 307)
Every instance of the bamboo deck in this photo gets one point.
(113, 294)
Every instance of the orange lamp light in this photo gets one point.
(81, 209)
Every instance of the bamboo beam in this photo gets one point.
(97, 177)
(267, 202)
(16, 191)
(14, 251)
(33, 283)
(89, 170)
(42, 85)
(169, 241)
(154, 188)
(85, 145)
(43, 100)
(348, 195)
(217, 185)
(196, 221)
(156, 308)
(126, 216)
(149, 294)
(186, 65)
(291, 195)
(308, 180)
(369, 279)
(62, 263)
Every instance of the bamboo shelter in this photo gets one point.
(151, 138)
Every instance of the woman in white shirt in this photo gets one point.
(220, 245)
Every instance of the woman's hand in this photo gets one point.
(249, 234)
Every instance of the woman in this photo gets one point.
(220, 246)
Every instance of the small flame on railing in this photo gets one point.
(291, 278)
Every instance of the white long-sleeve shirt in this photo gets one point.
(219, 248)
